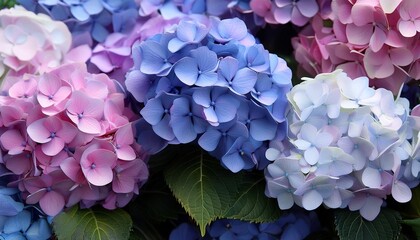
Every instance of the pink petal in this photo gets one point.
(378, 39)
(362, 13)
(103, 158)
(124, 135)
(359, 35)
(89, 125)
(71, 167)
(27, 50)
(100, 176)
(13, 141)
(49, 84)
(401, 56)
(126, 153)
(123, 184)
(52, 203)
(38, 132)
(53, 147)
(407, 28)
(67, 132)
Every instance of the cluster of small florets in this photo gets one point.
(212, 83)
(18, 221)
(90, 21)
(67, 136)
(294, 225)
(352, 146)
(31, 43)
(378, 39)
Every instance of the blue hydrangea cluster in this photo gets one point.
(294, 225)
(18, 221)
(352, 146)
(90, 21)
(169, 8)
(211, 84)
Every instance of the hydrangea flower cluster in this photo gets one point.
(16, 220)
(294, 225)
(67, 136)
(214, 84)
(283, 11)
(176, 8)
(352, 146)
(33, 43)
(378, 39)
(90, 21)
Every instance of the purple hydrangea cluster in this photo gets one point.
(18, 221)
(90, 21)
(294, 225)
(67, 137)
(298, 12)
(351, 146)
(212, 83)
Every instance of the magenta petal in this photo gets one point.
(407, 28)
(284, 14)
(53, 147)
(359, 35)
(71, 168)
(13, 141)
(126, 153)
(38, 132)
(378, 39)
(67, 132)
(100, 176)
(401, 56)
(308, 8)
(52, 203)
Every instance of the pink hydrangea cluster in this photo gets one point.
(284, 11)
(350, 146)
(68, 137)
(373, 38)
(33, 43)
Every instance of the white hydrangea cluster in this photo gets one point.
(351, 146)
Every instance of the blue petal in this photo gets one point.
(244, 81)
(206, 59)
(99, 32)
(19, 222)
(207, 79)
(8, 206)
(201, 96)
(175, 45)
(228, 67)
(93, 7)
(210, 139)
(232, 29)
(186, 31)
(138, 84)
(153, 111)
(263, 129)
(186, 70)
(183, 129)
(79, 13)
(226, 107)
(39, 230)
(163, 129)
(148, 139)
(153, 57)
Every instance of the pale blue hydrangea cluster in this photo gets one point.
(89, 21)
(18, 221)
(211, 83)
(352, 146)
(296, 225)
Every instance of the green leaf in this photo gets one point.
(94, 223)
(201, 185)
(414, 224)
(251, 204)
(7, 3)
(351, 225)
